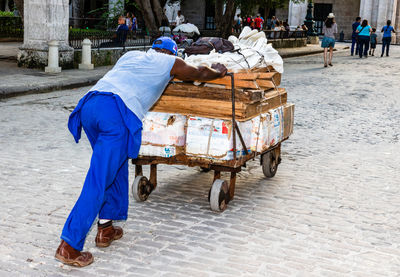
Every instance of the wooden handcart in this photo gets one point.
(221, 192)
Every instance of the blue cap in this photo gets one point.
(166, 43)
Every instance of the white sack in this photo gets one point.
(187, 28)
(254, 52)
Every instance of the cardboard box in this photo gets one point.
(212, 138)
(288, 119)
(164, 129)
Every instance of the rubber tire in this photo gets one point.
(217, 195)
(137, 185)
(269, 164)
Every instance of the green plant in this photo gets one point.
(6, 14)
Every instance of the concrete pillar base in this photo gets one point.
(35, 56)
(86, 66)
(313, 40)
(49, 69)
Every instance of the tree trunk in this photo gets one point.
(224, 21)
(219, 9)
(77, 12)
(148, 15)
(158, 12)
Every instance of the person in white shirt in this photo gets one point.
(180, 19)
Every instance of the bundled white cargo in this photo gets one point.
(253, 51)
(167, 135)
(163, 135)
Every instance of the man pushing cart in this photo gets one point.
(111, 115)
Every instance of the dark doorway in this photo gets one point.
(210, 15)
(321, 12)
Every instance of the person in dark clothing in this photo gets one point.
(364, 33)
(354, 36)
(122, 32)
(373, 42)
(387, 37)
(119, 38)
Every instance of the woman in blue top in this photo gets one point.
(364, 32)
(387, 37)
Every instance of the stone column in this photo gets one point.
(396, 24)
(45, 20)
(366, 8)
(386, 10)
(297, 13)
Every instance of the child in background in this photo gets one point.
(373, 42)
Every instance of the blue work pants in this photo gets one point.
(105, 190)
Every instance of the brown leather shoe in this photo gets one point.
(69, 255)
(107, 235)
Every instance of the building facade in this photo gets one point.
(377, 12)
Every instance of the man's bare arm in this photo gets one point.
(185, 72)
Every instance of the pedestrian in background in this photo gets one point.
(387, 37)
(128, 20)
(134, 25)
(354, 36)
(328, 42)
(238, 24)
(258, 22)
(273, 22)
(180, 19)
(364, 34)
(373, 42)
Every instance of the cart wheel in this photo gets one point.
(269, 164)
(219, 195)
(141, 188)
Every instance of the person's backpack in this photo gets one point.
(205, 45)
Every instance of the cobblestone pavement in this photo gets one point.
(333, 209)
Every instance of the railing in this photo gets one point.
(11, 27)
(89, 23)
(107, 39)
(280, 35)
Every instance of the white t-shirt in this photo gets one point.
(139, 78)
(180, 20)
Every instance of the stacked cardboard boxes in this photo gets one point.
(196, 120)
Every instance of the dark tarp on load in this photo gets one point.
(205, 45)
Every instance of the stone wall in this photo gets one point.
(289, 43)
(282, 14)
(345, 12)
(104, 56)
(194, 12)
